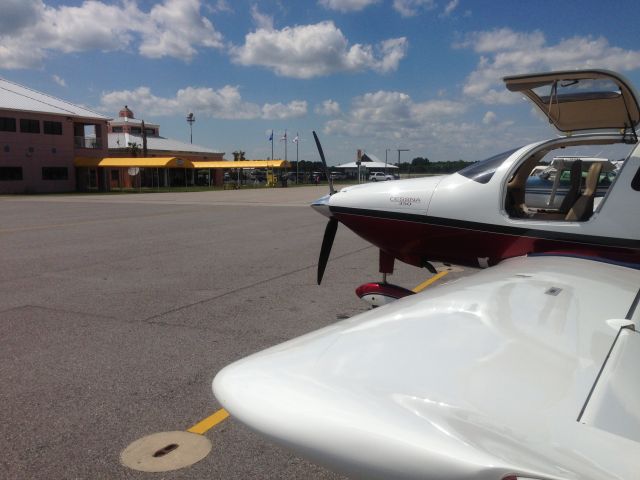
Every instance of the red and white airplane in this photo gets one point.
(478, 216)
(525, 370)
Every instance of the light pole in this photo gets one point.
(386, 151)
(190, 119)
(400, 150)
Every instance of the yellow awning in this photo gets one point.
(125, 162)
(242, 164)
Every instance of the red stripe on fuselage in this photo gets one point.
(416, 242)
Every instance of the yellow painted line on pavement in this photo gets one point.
(208, 423)
(211, 421)
(429, 281)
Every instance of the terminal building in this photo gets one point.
(40, 136)
(50, 145)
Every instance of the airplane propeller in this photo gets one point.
(332, 225)
(327, 243)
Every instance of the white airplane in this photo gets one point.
(479, 216)
(526, 370)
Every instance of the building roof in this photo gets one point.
(131, 121)
(242, 164)
(16, 97)
(379, 165)
(173, 162)
(142, 162)
(122, 140)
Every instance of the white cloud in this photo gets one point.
(346, 5)
(489, 118)
(173, 28)
(503, 39)
(18, 14)
(506, 52)
(328, 108)
(220, 6)
(262, 20)
(393, 115)
(59, 80)
(411, 8)
(225, 103)
(450, 7)
(279, 111)
(314, 50)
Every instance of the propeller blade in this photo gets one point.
(324, 163)
(327, 243)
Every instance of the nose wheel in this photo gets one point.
(377, 294)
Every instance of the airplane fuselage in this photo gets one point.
(457, 219)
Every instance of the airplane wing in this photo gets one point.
(525, 370)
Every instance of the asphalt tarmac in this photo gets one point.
(116, 312)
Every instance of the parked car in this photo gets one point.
(547, 187)
(380, 176)
(338, 176)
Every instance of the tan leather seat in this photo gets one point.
(582, 209)
(574, 187)
(514, 203)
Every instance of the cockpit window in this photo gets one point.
(578, 90)
(483, 170)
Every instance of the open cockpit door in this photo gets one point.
(582, 99)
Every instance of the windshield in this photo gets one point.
(483, 170)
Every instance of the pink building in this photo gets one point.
(40, 136)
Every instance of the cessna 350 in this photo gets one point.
(526, 370)
(478, 216)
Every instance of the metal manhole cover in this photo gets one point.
(165, 451)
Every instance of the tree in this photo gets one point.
(134, 149)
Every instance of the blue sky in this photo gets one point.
(378, 75)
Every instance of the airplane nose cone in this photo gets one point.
(321, 205)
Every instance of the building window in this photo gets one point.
(55, 173)
(7, 148)
(7, 124)
(150, 131)
(10, 173)
(136, 130)
(116, 129)
(52, 128)
(115, 175)
(29, 126)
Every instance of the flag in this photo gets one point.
(295, 140)
(271, 136)
(285, 136)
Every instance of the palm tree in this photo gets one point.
(238, 155)
(134, 148)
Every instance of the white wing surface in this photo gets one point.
(481, 378)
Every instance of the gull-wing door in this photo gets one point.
(582, 99)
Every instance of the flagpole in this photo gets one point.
(272, 145)
(297, 161)
(285, 146)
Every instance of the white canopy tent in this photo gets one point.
(369, 165)
(369, 161)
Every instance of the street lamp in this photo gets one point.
(386, 152)
(190, 119)
(401, 150)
